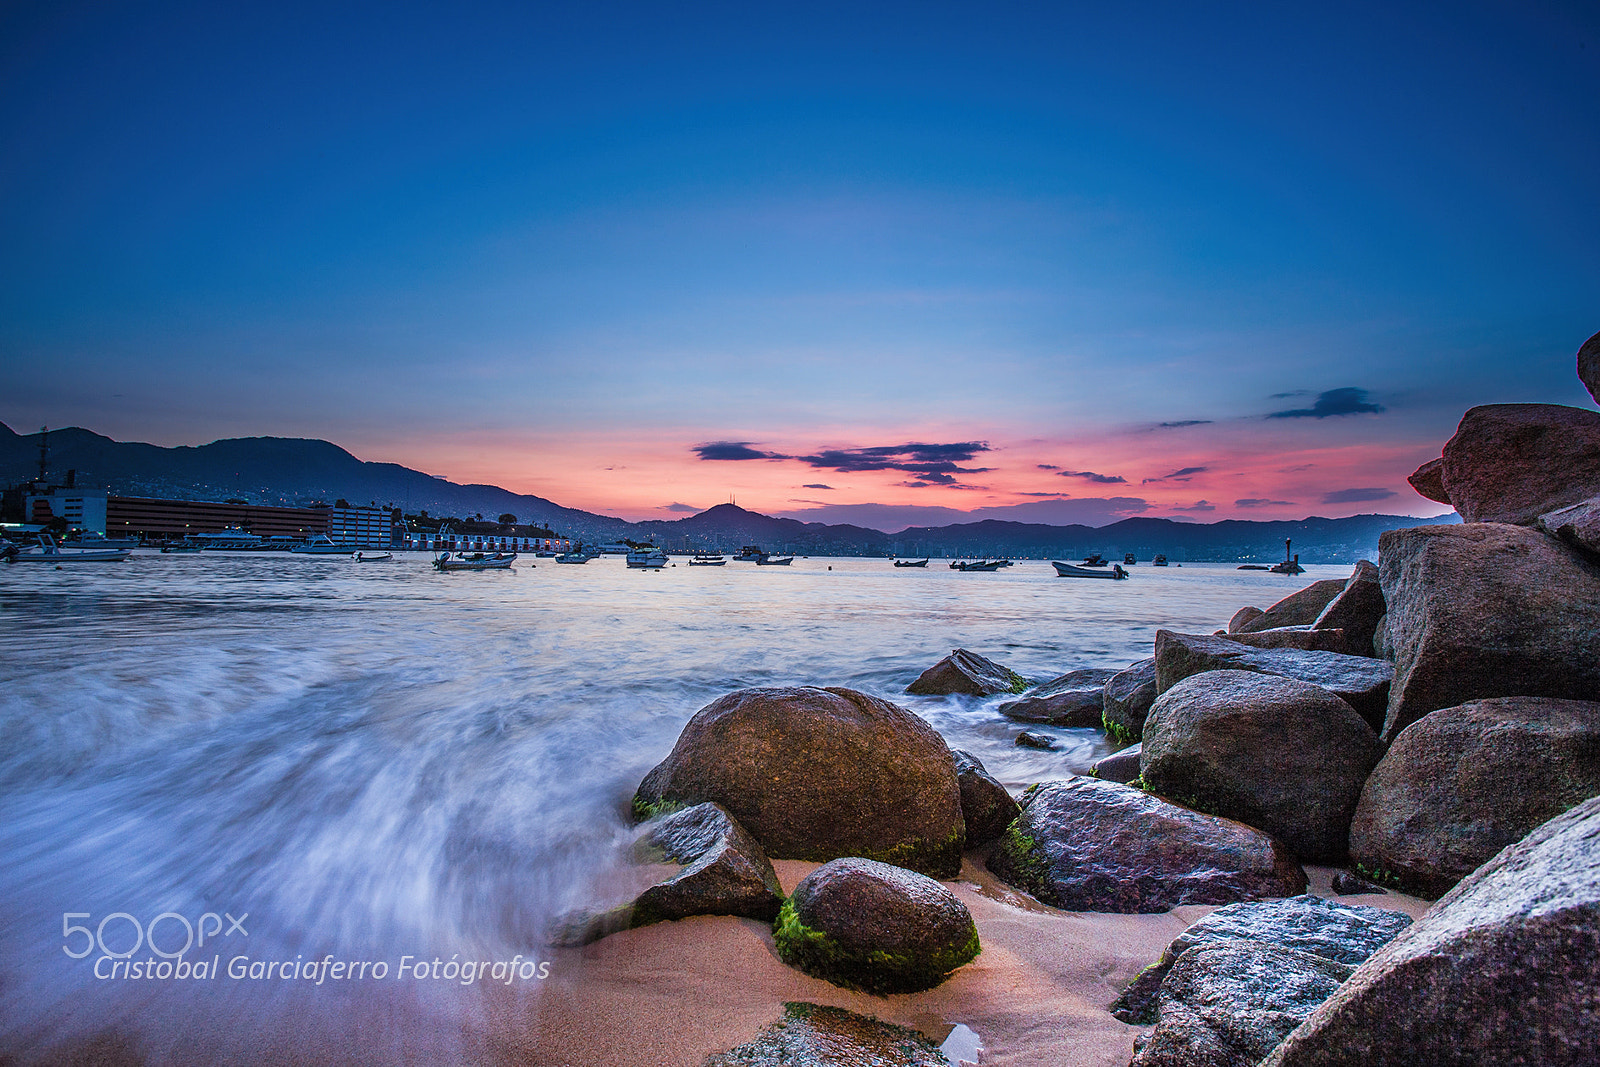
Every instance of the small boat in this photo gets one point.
(544, 553)
(180, 550)
(768, 561)
(910, 563)
(1129, 560)
(47, 551)
(323, 545)
(1159, 561)
(647, 558)
(476, 561)
(708, 561)
(1096, 560)
(979, 565)
(750, 553)
(1254, 567)
(579, 556)
(376, 557)
(1067, 570)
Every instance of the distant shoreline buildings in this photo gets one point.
(371, 526)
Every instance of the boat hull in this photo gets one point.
(1068, 570)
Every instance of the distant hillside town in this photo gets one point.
(279, 490)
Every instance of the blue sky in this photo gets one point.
(564, 248)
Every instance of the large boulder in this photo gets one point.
(1461, 783)
(818, 773)
(1127, 699)
(867, 925)
(986, 805)
(815, 1035)
(1501, 970)
(1356, 610)
(1360, 681)
(1486, 610)
(1589, 366)
(1346, 933)
(1428, 480)
(1087, 845)
(1513, 462)
(1282, 755)
(1074, 699)
(967, 673)
(1297, 609)
(1230, 1003)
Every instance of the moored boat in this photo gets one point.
(1068, 570)
(708, 561)
(48, 551)
(476, 561)
(323, 545)
(979, 565)
(768, 561)
(375, 557)
(648, 557)
(910, 563)
(750, 554)
(1159, 561)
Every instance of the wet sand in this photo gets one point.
(673, 993)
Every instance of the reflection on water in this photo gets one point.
(380, 762)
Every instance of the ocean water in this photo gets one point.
(303, 759)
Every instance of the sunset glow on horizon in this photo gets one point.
(914, 264)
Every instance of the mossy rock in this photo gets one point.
(867, 925)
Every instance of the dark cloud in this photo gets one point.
(680, 507)
(1180, 475)
(931, 464)
(1356, 496)
(815, 485)
(1198, 505)
(1050, 496)
(1348, 401)
(733, 450)
(1098, 479)
(1261, 502)
(1296, 469)
(1184, 422)
(1048, 467)
(1286, 396)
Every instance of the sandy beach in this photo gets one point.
(676, 992)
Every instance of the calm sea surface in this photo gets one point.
(376, 760)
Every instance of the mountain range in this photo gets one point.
(279, 470)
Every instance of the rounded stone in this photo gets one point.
(815, 774)
(1461, 783)
(867, 925)
(1279, 754)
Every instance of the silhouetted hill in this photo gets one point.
(285, 470)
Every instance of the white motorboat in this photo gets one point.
(48, 551)
(1067, 570)
(768, 561)
(476, 561)
(373, 557)
(708, 561)
(323, 545)
(647, 558)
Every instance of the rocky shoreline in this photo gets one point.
(1431, 724)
